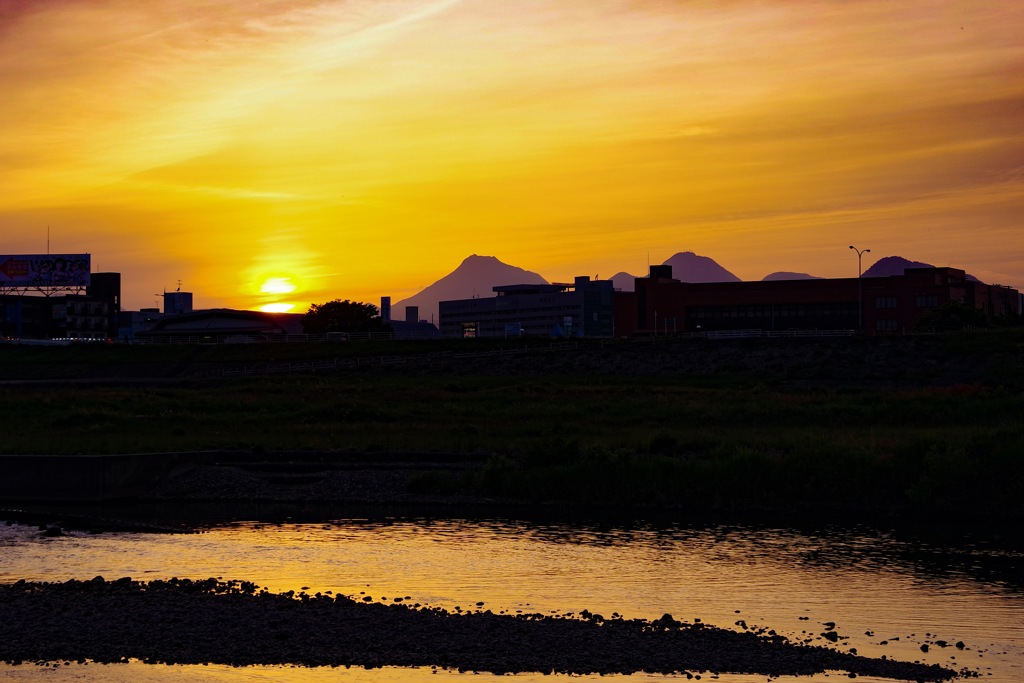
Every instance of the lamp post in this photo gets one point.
(860, 288)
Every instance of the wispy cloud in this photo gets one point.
(375, 139)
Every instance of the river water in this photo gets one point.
(887, 593)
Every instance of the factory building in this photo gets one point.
(661, 304)
(584, 308)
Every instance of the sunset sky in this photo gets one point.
(360, 148)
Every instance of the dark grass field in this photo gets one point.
(931, 423)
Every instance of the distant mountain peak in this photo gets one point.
(623, 281)
(786, 275)
(893, 265)
(690, 267)
(478, 262)
(476, 276)
(477, 257)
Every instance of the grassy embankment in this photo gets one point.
(935, 424)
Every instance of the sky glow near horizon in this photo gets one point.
(286, 151)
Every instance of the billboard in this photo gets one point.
(59, 271)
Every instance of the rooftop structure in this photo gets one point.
(583, 308)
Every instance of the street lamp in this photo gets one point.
(860, 288)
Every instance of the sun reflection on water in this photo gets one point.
(872, 586)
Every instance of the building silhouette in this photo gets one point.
(584, 308)
(882, 305)
(177, 302)
(92, 315)
(661, 304)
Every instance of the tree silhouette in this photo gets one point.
(952, 316)
(341, 316)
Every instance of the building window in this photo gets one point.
(926, 301)
(885, 302)
(885, 325)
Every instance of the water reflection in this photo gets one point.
(875, 585)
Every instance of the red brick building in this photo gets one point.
(877, 305)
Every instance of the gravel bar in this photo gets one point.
(184, 621)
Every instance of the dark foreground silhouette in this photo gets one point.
(183, 621)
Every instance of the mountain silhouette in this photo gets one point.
(475, 277)
(624, 282)
(689, 267)
(786, 275)
(893, 265)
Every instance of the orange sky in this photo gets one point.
(359, 148)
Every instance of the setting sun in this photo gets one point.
(277, 308)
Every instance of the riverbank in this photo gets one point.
(185, 622)
(214, 489)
